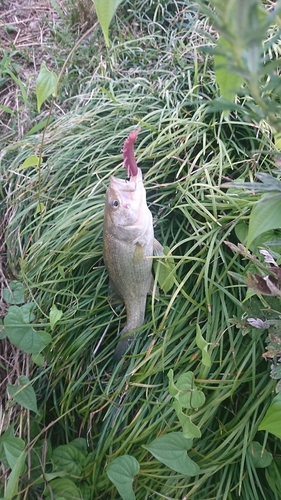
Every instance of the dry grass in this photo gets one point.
(33, 31)
(26, 23)
(24, 38)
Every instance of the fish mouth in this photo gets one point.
(130, 184)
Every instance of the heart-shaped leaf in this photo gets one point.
(24, 394)
(272, 418)
(260, 457)
(189, 429)
(21, 333)
(46, 85)
(170, 449)
(13, 481)
(121, 472)
(203, 346)
(265, 215)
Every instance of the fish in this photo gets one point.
(128, 245)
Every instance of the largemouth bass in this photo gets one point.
(128, 245)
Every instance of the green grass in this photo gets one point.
(160, 81)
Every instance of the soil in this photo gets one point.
(24, 43)
(25, 23)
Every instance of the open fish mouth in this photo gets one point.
(130, 184)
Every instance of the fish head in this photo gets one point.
(125, 206)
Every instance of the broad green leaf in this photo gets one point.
(185, 391)
(81, 445)
(8, 433)
(46, 85)
(28, 312)
(86, 490)
(31, 161)
(68, 458)
(38, 359)
(172, 388)
(40, 208)
(63, 488)
(13, 481)
(13, 447)
(273, 476)
(189, 429)
(272, 418)
(105, 10)
(24, 394)
(188, 395)
(265, 215)
(49, 476)
(203, 345)
(206, 360)
(241, 231)
(15, 294)
(121, 472)
(260, 457)
(228, 82)
(21, 333)
(55, 315)
(40, 125)
(170, 449)
(166, 271)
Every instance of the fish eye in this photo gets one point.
(115, 203)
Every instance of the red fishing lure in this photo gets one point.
(128, 153)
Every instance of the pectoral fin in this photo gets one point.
(157, 248)
(113, 297)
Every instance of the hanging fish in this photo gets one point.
(128, 244)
